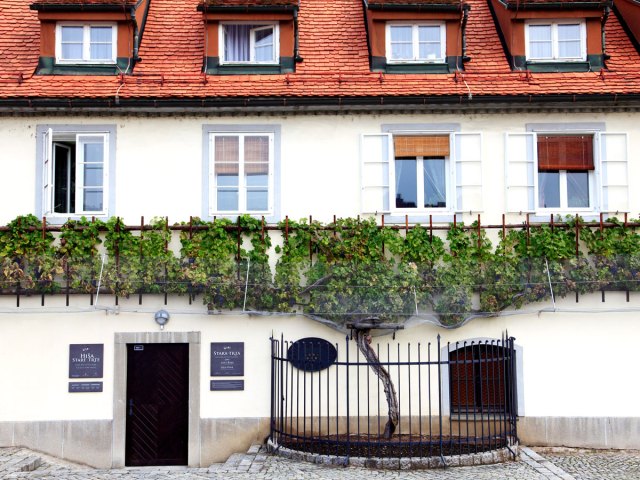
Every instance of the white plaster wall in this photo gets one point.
(580, 360)
(159, 159)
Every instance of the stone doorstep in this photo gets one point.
(22, 464)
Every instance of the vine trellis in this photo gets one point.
(343, 271)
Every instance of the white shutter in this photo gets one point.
(467, 155)
(375, 175)
(614, 175)
(47, 172)
(520, 169)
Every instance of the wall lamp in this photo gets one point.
(162, 318)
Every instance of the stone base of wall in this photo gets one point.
(82, 441)
(91, 441)
(581, 432)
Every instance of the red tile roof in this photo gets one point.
(563, 4)
(333, 45)
(80, 3)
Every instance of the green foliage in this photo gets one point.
(343, 272)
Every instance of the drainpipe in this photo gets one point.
(605, 16)
(465, 17)
(296, 52)
(136, 36)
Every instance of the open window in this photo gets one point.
(75, 171)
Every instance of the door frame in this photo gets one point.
(120, 389)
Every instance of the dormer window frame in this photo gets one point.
(86, 43)
(258, 25)
(555, 40)
(415, 41)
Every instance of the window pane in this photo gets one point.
(569, 49)
(540, 41)
(264, 45)
(237, 43)
(429, 33)
(227, 180)
(227, 149)
(569, 33)
(94, 152)
(435, 190)
(92, 201)
(93, 176)
(257, 200)
(100, 51)
(227, 200)
(578, 189)
(429, 51)
(401, 42)
(101, 34)
(549, 189)
(257, 180)
(406, 183)
(72, 34)
(72, 51)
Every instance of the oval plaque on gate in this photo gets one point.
(312, 354)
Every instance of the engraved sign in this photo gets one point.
(84, 387)
(217, 385)
(312, 354)
(227, 359)
(85, 360)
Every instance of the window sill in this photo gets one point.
(212, 66)
(61, 219)
(48, 66)
(448, 65)
(423, 218)
(592, 63)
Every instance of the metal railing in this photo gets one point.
(453, 399)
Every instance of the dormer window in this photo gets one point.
(249, 43)
(556, 41)
(86, 43)
(416, 42)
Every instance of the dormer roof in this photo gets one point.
(75, 5)
(555, 4)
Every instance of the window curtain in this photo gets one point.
(565, 152)
(421, 146)
(237, 43)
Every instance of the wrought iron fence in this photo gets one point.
(452, 399)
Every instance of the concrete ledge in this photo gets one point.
(580, 432)
(81, 441)
(222, 437)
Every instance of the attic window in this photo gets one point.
(249, 43)
(416, 42)
(86, 43)
(556, 41)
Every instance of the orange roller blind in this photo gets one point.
(227, 155)
(256, 155)
(421, 146)
(565, 152)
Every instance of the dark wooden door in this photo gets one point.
(157, 404)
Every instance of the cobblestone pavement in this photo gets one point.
(542, 464)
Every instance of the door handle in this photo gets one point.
(131, 407)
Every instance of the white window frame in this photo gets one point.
(555, 45)
(463, 175)
(49, 185)
(258, 26)
(449, 179)
(599, 181)
(242, 187)
(415, 42)
(86, 43)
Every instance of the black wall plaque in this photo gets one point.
(217, 385)
(83, 387)
(85, 360)
(312, 354)
(227, 359)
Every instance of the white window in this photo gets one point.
(408, 173)
(556, 41)
(249, 43)
(418, 42)
(75, 167)
(86, 43)
(241, 173)
(566, 172)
